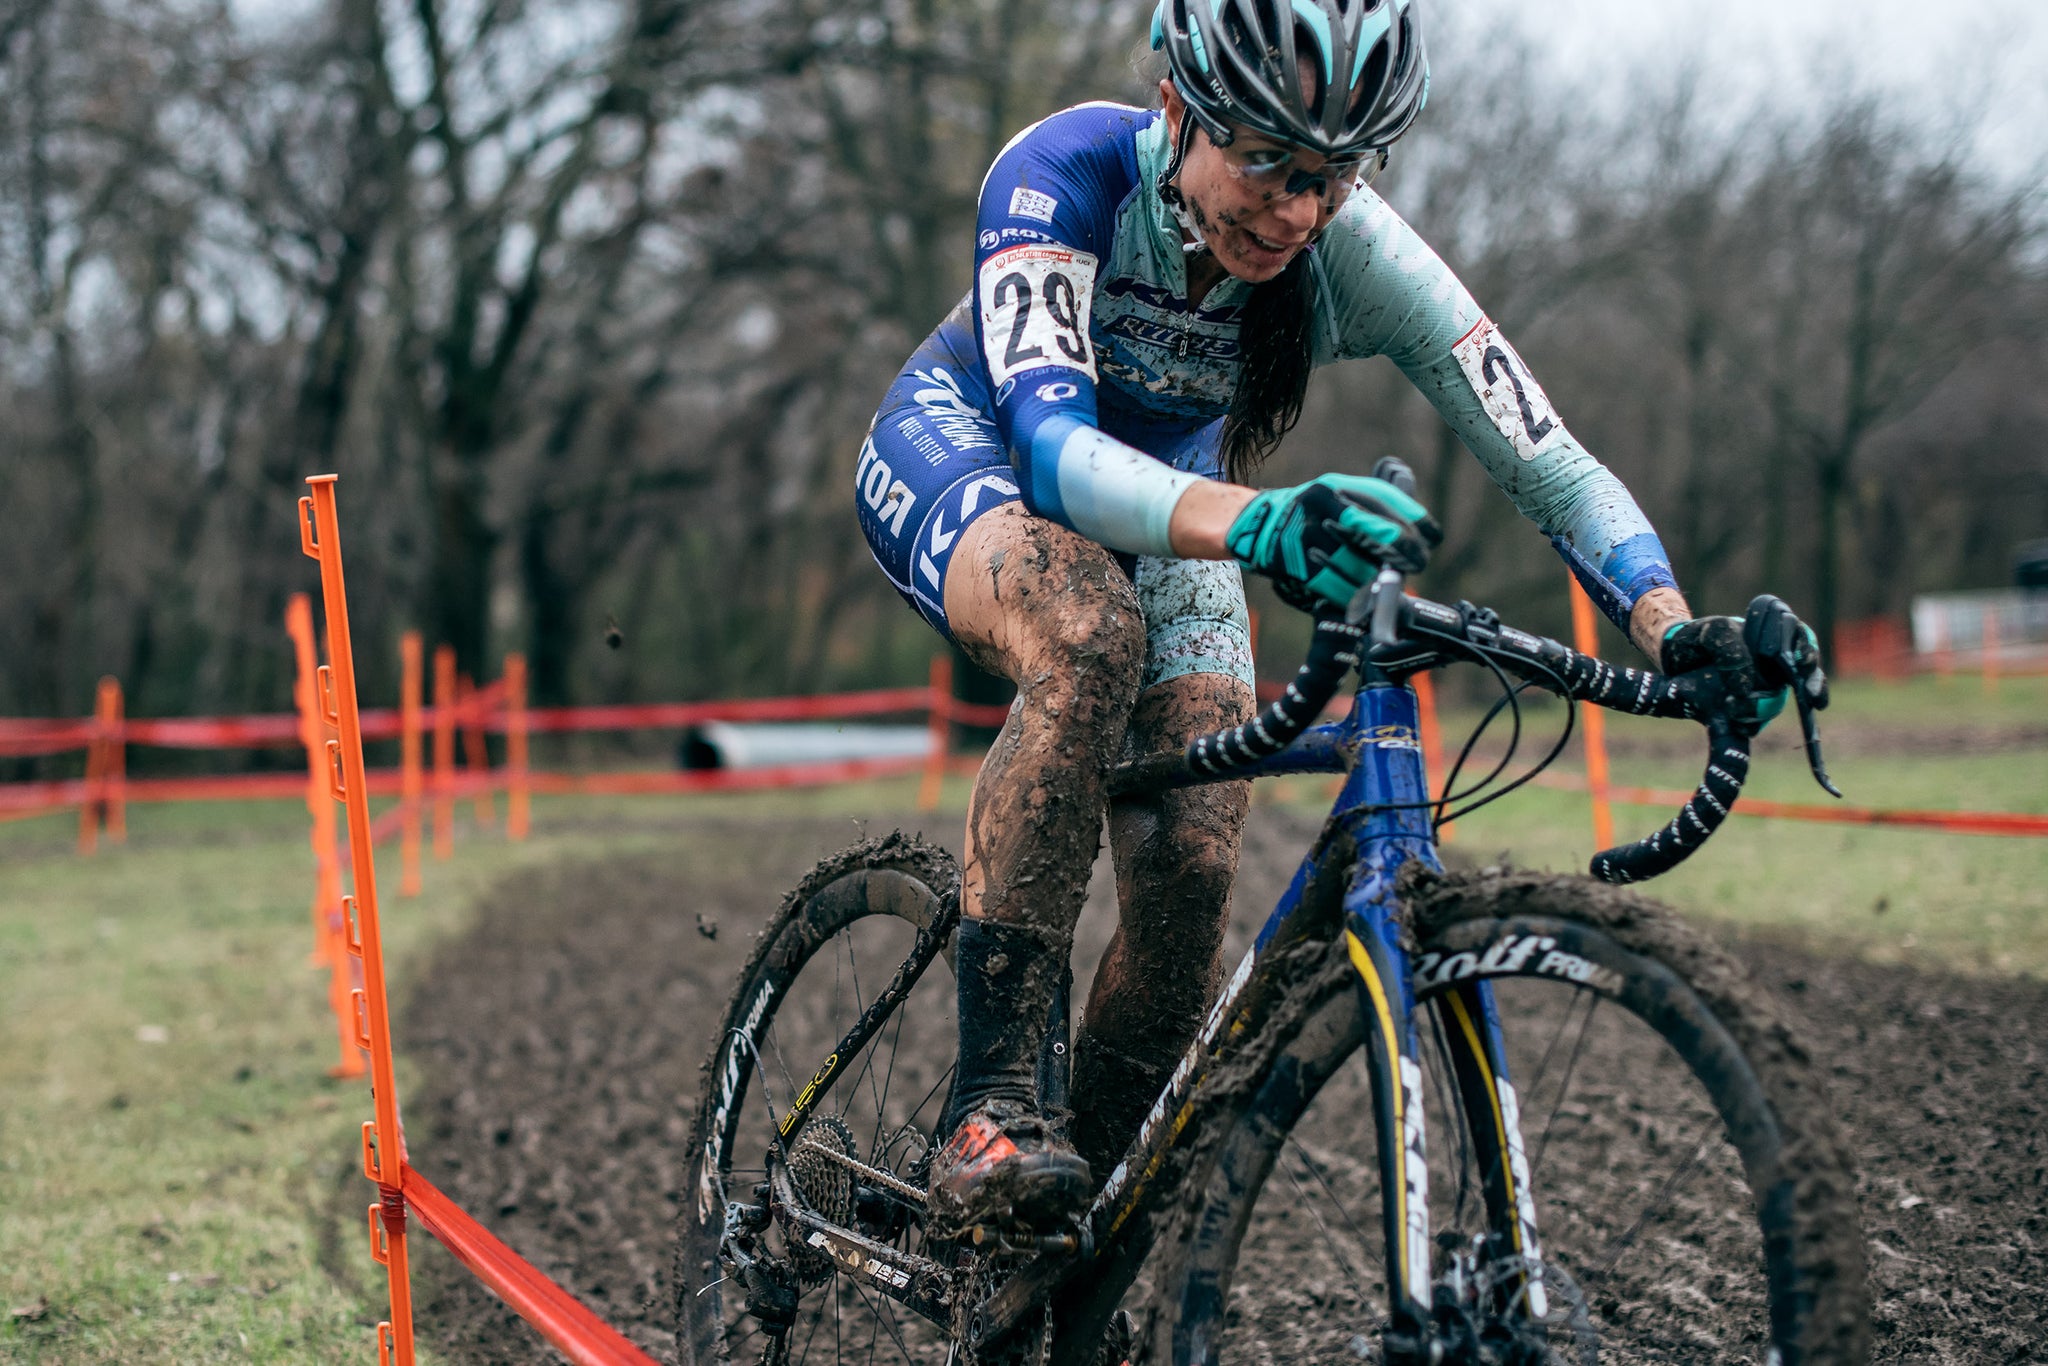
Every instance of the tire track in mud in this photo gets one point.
(558, 1043)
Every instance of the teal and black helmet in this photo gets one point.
(1241, 62)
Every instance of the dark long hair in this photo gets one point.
(1275, 346)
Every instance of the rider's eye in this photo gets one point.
(1265, 160)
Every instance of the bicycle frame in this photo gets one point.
(1379, 821)
(1346, 885)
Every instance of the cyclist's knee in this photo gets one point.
(1050, 609)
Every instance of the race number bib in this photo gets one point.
(1514, 402)
(1034, 304)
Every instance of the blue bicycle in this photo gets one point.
(1496, 1117)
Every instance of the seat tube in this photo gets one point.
(1388, 772)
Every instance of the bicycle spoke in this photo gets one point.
(1301, 1150)
(1679, 1175)
(888, 1079)
(1564, 1087)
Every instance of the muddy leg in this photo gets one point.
(1175, 856)
(1054, 613)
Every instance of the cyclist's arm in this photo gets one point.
(1393, 296)
(1046, 222)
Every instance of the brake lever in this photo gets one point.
(1811, 731)
(1383, 602)
(1786, 656)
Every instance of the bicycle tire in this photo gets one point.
(1774, 1133)
(902, 890)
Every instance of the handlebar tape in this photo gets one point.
(1333, 651)
(1727, 768)
(1638, 691)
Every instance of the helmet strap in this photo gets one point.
(1169, 191)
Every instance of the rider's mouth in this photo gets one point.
(1280, 249)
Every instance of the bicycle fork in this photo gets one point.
(1388, 772)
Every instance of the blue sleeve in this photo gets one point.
(1046, 225)
(1393, 296)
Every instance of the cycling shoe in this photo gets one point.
(1005, 1167)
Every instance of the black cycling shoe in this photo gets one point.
(1004, 1168)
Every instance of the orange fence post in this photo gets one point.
(1586, 639)
(114, 758)
(941, 725)
(1432, 740)
(409, 777)
(330, 933)
(348, 782)
(475, 750)
(518, 797)
(444, 751)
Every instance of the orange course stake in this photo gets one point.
(409, 777)
(108, 711)
(444, 751)
(1585, 637)
(383, 1140)
(330, 933)
(941, 726)
(518, 796)
(476, 751)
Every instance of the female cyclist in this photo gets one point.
(1057, 481)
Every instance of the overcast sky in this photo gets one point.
(1941, 54)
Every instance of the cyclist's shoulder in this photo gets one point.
(1091, 146)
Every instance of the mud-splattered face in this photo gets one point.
(1238, 196)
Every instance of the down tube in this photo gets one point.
(1388, 771)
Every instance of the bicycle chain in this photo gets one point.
(875, 1176)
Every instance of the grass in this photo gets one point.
(198, 1197)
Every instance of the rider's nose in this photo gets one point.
(1298, 215)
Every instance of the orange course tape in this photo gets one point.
(559, 1316)
(1954, 822)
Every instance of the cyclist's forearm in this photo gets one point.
(1202, 518)
(1111, 492)
(1656, 612)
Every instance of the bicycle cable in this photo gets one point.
(1564, 735)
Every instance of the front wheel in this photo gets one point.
(1690, 1198)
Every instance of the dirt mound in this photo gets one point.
(558, 1048)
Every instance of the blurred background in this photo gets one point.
(589, 302)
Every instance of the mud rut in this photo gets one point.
(557, 1048)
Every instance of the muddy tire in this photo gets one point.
(874, 916)
(1689, 1182)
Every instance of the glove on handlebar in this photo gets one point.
(1756, 680)
(1324, 540)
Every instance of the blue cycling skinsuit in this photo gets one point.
(1076, 378)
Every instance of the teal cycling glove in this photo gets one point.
(1324, 540)
(1719, 642)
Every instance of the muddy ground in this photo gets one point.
(557, 1049)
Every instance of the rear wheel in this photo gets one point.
(1692, 1201)
(851, 944)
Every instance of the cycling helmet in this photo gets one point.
(1240, 62)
